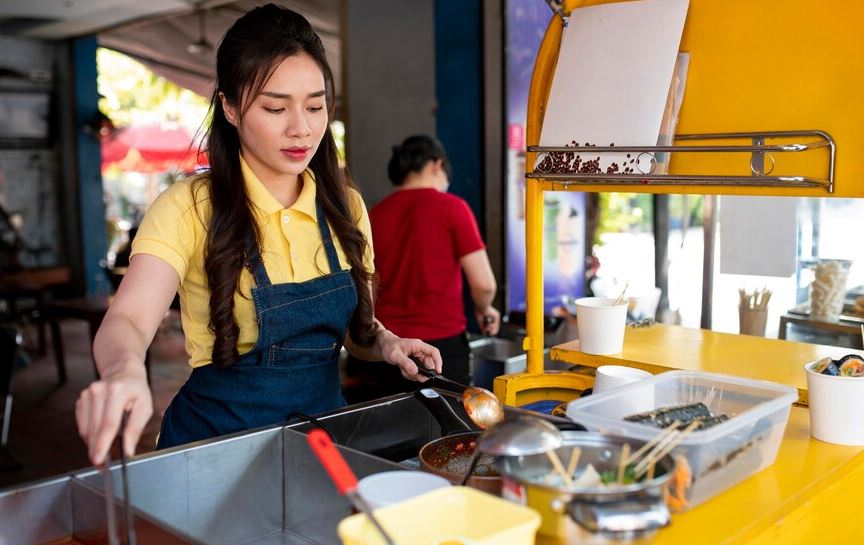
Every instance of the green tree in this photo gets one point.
(131, 93)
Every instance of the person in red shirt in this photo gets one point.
(424, 239)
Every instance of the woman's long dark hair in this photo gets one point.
(247, 56)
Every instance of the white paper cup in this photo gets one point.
(836, 406)
(601, 325)
(609, 377)
(389, 487)
(613, 376)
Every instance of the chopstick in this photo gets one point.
(653, 458)
(559, 467)
(574, 461)
(131, 538)
(656, 439)
(108, 489)
(622, 462)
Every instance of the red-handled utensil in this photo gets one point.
(341, 475)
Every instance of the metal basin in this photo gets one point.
(65, 508)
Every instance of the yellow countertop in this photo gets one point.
(660, 347)
(801, 499)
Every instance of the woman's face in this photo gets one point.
(282, 127)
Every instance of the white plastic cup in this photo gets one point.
(389, 487)
(601, 325)
(836, 404)
(613, 376)
(609, 377)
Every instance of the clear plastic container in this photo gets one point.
(718, 457)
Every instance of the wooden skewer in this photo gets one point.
(574, 461)
(656, 439)
(559, 467)
(650, 476)
(622, 462)
(620, 298)
(642, 467)
(658, 447)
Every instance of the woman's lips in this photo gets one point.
(295, 154)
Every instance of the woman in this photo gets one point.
(425, 239)
(269, 251)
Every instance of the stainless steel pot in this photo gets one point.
(597, 515)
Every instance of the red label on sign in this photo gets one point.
(515, 136)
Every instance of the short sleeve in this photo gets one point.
(465, 232)
(365, 227)
(168, 230)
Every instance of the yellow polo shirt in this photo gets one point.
(174, 230)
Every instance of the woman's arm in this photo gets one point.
(121, 344)
(397, 351)
(481, 280)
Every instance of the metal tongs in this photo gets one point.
(108, 483)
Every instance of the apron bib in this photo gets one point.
(293, 366)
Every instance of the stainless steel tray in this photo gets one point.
(262, 487)
(65, 507)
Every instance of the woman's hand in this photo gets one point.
(398, 351)
(489, 320)
(100, 408)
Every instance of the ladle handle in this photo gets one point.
(431, 373)
(442, 411)
(475, 458)
(332, 460)
(342, 476)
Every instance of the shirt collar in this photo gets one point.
(264, 201)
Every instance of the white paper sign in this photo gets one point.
(613, 75)
(758, 235)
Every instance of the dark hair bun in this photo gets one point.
(413, 155)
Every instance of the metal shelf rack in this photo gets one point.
(760, 151)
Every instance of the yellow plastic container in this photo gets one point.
(456, 514)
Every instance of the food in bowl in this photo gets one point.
(851, 365)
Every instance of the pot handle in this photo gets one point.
(632, 516)
(442, 411)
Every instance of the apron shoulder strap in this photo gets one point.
(327, 239)
(255, 263)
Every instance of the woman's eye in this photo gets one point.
(275, 110)
(316, 108)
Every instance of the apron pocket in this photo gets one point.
(294, 355)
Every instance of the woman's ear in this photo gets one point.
(229, 109)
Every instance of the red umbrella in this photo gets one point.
(152, 148)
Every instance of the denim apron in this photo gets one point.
(293, 366)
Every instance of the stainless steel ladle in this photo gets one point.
(520, 436)
(481, 405)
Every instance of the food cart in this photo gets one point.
(738, 112)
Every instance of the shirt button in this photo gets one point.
(285, 219)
